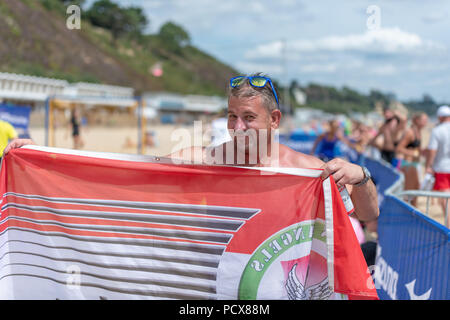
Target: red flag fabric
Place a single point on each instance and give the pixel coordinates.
(85, 225)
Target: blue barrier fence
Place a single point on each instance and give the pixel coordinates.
(412, 254)
(413, 251)
(18, 117)
(299, 142)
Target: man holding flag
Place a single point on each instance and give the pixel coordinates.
(253, 115)
(289, 239)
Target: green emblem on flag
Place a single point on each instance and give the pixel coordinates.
(271, 249)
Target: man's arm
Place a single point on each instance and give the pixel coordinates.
(364, 198)
(431, 155)
(431, 152)
(365, 201)
(17, 143)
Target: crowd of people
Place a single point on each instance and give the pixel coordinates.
(399, 141)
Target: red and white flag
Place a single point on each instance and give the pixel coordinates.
(85, 225)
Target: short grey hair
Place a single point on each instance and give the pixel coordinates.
(246, 90)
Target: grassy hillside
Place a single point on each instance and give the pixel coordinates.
(36, 41)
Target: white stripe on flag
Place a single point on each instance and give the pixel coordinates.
(328, 203)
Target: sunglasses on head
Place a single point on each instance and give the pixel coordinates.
(256, 81)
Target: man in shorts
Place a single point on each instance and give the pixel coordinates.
(438, 155)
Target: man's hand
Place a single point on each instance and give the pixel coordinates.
(17, 143)
(343, 172)
(429, 170)
(364, 198)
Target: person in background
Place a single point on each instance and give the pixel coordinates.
(360, 136)
(75, 121)
(409, 148)
(7, 133)
(391, 130)
(325, 145)
(328, 149)
(438, 155)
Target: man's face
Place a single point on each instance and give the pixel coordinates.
(249, 116)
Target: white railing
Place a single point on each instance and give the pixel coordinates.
(99, 90)
(23, 87)
(192, 103)
(397, 191)
(410, 194)
(31, 88)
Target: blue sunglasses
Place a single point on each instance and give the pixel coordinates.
(256, 81)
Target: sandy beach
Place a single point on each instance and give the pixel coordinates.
(119, 139)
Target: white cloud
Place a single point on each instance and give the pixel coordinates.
(435, 17)
(384, 40)
(383, 70)
(249, 67)
(257, 7)
(269, 50)
(327, 41)
(318, 68)
(429, 66)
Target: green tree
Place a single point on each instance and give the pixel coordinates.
(135, 22)
(109, 15)
(67, 3)
(173, 37)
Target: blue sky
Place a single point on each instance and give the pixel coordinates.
(402, 47)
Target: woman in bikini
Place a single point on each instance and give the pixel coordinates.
(410, 147)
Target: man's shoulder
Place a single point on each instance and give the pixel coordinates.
(443, 127)
(292, 158)
(441, 130)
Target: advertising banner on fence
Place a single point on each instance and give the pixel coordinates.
(412, 251)
(18, 117)
(299, 142)
(83, 225)
(412, 255)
